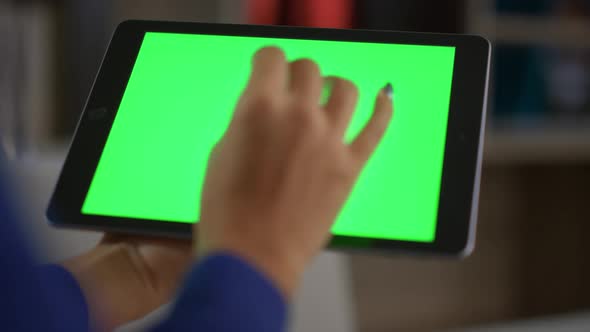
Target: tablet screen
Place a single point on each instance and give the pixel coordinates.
(180, 97)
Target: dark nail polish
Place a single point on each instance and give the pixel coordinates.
(388, 90)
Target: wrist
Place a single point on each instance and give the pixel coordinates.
(284, 273)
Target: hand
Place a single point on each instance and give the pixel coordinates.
(279, 177)
(126, 277)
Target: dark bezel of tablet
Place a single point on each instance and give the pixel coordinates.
(462, 163)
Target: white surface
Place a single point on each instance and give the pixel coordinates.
(324, 302)
(578, 322)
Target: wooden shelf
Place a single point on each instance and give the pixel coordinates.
(534, 30)
(540, 146)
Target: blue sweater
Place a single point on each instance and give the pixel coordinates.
(221, 293)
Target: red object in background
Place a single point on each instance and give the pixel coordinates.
(263, 12)
(311, 13)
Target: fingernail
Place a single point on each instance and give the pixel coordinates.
(388, 90)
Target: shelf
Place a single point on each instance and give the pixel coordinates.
(534, 30)
(576, 321)
(537, 146)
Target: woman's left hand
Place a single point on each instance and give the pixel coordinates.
(126, 277)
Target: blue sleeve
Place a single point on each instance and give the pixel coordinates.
(33, 298)
(221, 294)
(225, 294)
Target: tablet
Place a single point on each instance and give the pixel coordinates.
(166, 91)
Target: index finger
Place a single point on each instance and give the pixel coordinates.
(368, 139)
(269, 71)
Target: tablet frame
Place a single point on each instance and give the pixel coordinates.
(458, 201)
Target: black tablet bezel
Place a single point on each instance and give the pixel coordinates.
(463, 151)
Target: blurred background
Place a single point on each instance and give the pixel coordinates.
(531, 267)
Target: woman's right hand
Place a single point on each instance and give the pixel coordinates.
(279, 177)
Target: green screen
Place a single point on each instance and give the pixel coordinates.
(179, 101)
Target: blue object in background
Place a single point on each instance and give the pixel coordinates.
(530, 7)
(520, 81)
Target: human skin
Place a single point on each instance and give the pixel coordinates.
(281, 173)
